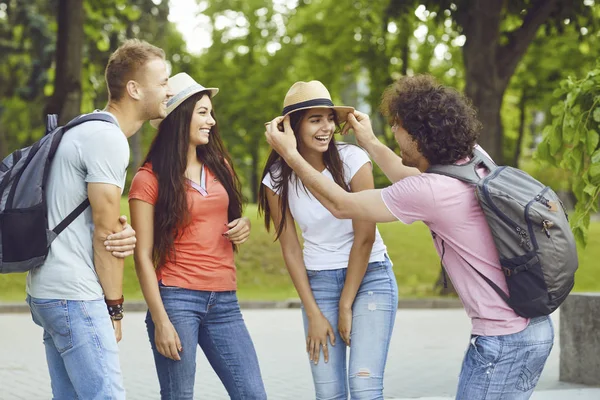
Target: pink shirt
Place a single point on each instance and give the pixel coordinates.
(450, 208)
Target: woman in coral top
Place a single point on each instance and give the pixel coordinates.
(186, 208)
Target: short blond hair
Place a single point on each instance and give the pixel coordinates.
(125, 62)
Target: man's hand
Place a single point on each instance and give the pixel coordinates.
(121, 244)
(283, 142)
(240, 230)
(361, 125)
(118, 332)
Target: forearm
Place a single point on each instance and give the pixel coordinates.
(297, 271)
(146, 274)
(331, 196)
(357, 267)
(389, 162)
(108, 268)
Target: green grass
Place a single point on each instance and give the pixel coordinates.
(262, 274)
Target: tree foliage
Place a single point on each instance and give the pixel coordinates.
(572, 142)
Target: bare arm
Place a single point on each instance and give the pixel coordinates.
(366, 205)
(319, 327)
(142, 220)
(364, 237)
(105, 202)
(389, 162)
(292, 255)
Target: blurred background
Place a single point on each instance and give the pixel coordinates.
(529, 67)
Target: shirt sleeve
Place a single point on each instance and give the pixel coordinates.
(144, 186)
(269, 182)
(410, 199)
(353, 158)
(105, 155)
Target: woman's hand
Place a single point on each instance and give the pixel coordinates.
(239, 230)
(319, 329)
(121, 244)
(345, 323)
(167, 340)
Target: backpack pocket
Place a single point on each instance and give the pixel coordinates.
(528, 293)
(23, 233)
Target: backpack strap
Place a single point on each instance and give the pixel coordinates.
(51, 122)
(465, 172)
(81, 207)
(496, 288)
(71, 217)
(95, 116)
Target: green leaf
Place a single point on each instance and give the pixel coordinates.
(595, 157)
(555, 143)
(592, 141)
(590, 189)
(596, 114)
(594, 171)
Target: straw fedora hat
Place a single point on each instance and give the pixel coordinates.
(183, 86)
(313, 94)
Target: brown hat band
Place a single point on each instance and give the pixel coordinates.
(305, 104)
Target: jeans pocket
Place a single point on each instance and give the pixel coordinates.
(533, 365)
(311, 273)
(486, 349)
(54, 318)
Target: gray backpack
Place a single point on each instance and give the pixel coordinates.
(25, 237)
(531, 231)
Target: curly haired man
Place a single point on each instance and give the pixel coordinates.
(433, 125)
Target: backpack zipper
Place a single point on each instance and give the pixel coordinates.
(524, 241)
(537, 198)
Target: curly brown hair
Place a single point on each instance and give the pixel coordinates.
(442, 121)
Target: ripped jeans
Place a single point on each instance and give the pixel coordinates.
(508, 366)
(373, 316)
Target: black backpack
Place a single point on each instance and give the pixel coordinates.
(531, 232)
(25, 237)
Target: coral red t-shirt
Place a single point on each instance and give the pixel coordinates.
(203, 257)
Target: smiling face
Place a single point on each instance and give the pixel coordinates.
(316, 130)
(202, 122)
(155, 89)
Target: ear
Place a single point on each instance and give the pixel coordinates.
(134, 90)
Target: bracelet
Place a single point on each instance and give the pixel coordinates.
(116, 312)
(114, 302)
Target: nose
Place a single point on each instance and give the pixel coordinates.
(211, 121)
(328, 126)
(169, 92)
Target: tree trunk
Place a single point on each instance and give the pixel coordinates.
(254, 177)
(522, 111)
(66, 100)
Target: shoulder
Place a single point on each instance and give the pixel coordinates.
(349, 150)
(145, 176)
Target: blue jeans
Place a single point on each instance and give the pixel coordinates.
(81, 349)
(214, 321)
(508, 366)
(373, 316)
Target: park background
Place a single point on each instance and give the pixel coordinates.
(529, 66)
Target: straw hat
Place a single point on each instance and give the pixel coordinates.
(183, 86)
(313, 94)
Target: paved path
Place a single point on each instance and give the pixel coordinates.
(424, 361)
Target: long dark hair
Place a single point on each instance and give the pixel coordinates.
(168, 155)
(281, 174)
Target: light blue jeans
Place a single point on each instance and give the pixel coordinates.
(81, 349)
(213, 321)
(373, 316)
(508, 366)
